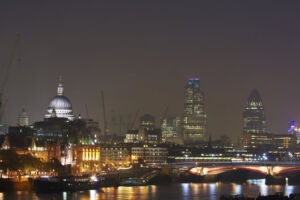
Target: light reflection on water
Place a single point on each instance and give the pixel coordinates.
(203, 191)
(237, 189)
(212, 191)
(185, 190)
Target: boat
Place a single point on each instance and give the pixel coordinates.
(133, 182)
(70, 183)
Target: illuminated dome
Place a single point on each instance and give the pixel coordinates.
(60, 104)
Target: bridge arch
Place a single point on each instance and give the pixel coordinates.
(219, 170)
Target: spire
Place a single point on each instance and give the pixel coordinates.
(60, 88)
(254, 96)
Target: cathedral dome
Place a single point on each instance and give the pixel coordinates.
(60, 102)
(61, 105)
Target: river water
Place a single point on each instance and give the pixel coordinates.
(185, 191)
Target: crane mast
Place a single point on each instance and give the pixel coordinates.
(6, 74)
(104, 114)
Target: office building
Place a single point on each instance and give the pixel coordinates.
(194, 117)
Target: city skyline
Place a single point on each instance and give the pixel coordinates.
(159, 51)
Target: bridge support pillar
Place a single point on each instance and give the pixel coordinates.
(275, 180)
(210, 178)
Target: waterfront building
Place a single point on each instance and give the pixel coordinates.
(254, 140)
(60, 105)
(269, 141)
(84, 159)
(171, 129)
(284, 141)
(194, 117)
(42, 150)
(151, 155)
(114, 156)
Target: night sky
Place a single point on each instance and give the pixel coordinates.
(141, 53)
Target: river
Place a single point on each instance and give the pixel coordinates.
(185, 191)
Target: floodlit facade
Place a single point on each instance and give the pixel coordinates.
(86, 159)
(194, 118)
(115, 157)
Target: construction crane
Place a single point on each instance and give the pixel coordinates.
(104, 114)
(6, 74)
(3, 107)
(134, 119)
(87, 111)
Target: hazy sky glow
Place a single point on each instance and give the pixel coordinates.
(141, 54)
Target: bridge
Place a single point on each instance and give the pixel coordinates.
(273, 172)
(265, 170)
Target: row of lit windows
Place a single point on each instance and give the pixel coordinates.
(90, 154)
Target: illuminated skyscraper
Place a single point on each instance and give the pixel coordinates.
(294, 130)
(254, 121)
(194, 117)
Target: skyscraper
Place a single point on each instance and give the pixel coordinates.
(194, 117)
(254, 123)
(254, 120)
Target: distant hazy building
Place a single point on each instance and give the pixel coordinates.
(23, 119)
(146, 134)
(171, 129)
(194, 118)
(143, 136)
(60, 104)
(3, 129)
(254, 120)
(147, 122)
